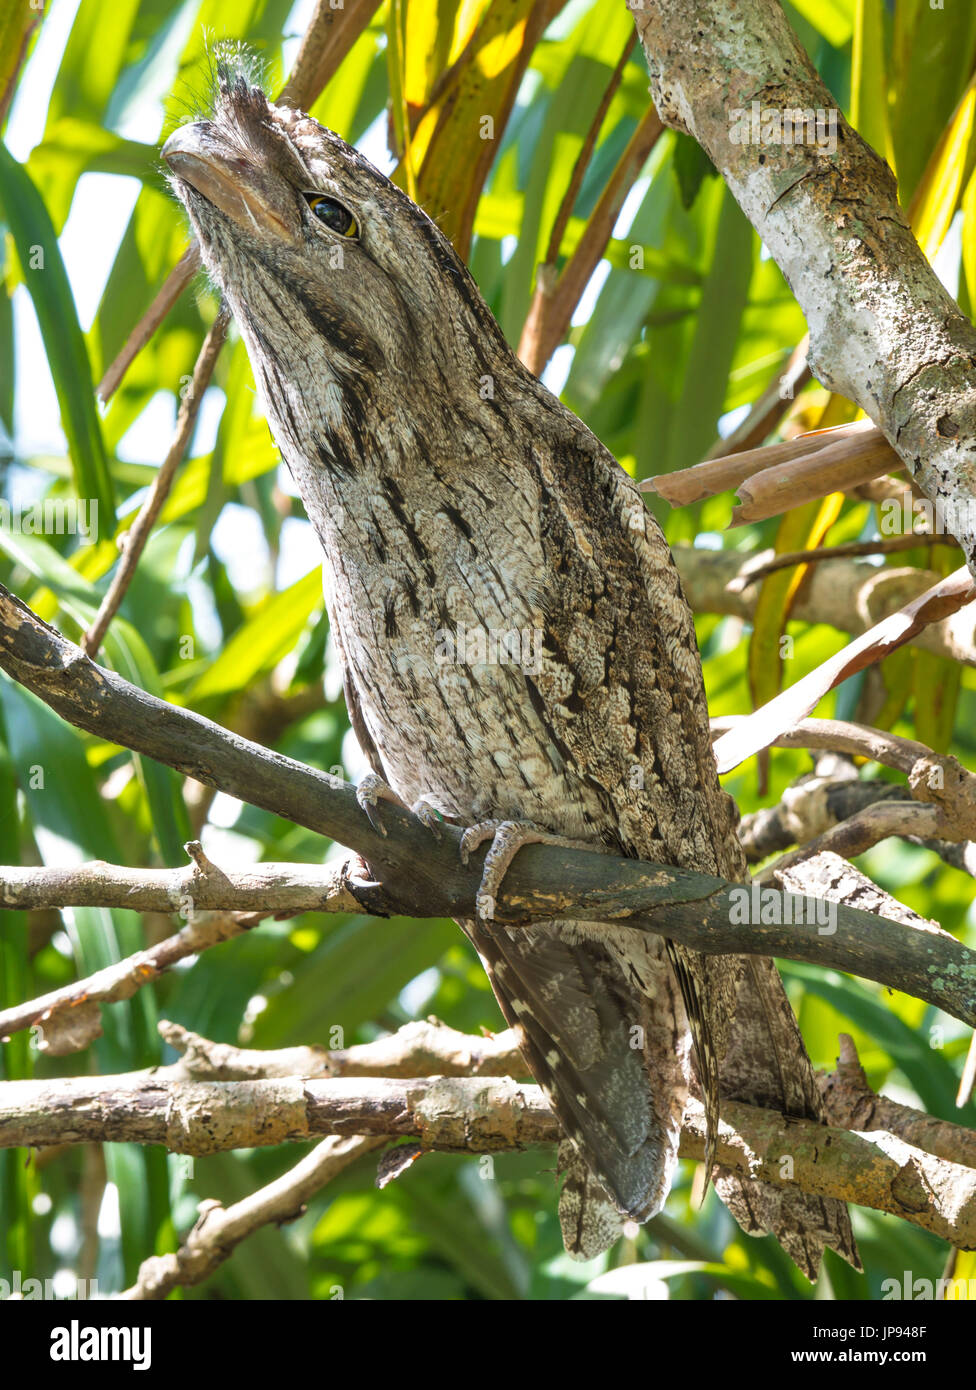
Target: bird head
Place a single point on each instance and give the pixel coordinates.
(354, 306)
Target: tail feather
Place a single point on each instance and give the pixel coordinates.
(601, 1016)
(614, 1068)
(588, 1217)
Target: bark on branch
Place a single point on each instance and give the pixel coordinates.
(883, 330)
(432, 1048)
(852, 595)
(416, 874)
(473, 1115)
(708, 913)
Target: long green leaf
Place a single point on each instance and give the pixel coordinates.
(47, 282)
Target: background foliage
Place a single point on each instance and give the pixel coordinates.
(225, 615)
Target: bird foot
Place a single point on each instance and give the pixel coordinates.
(507, 838)
(373, 789)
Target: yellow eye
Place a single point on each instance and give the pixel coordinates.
(336, 217)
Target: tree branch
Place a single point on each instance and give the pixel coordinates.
(138, 533)
(841, 736)
(471, 1115)
(852, 1104)
(757, 730)
(883, 330)
(808, 807)
(554, 300)
(766, 411)
(852, 595)
(422, 876)
(164, 299)
(434, 1049)
(220, 1230)
(330, 35)
(866, 827)
(706, 913)
(422, 1048)
(887, 545)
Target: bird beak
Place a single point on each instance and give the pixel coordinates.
(229, 180)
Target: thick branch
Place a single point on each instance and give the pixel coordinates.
(468, 1115)
(434, 1049)
(457, 1114)
(707, 913)
(422, 876)
(883, 330)
(852, 595)
(431, 1048)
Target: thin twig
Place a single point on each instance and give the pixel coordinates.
(565, 210)
(759, 729)
(228, 902)
(768, 408)
(886, 545)
(329, 37)
(166, 296)
(28, 22)
(138, 533)
(550, 312)
(220, 1230)
(867, 827)
(852, 1104)
(840, 736)
(425, 1047)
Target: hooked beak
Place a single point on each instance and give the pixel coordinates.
(227, 179)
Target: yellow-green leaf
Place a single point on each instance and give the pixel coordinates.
(263, 640)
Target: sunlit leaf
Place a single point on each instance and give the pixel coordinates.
(44, 275)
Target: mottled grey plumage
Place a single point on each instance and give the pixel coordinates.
(453, 494)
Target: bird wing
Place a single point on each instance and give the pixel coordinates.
(585, 1032)
(355, 710)
(621, 690)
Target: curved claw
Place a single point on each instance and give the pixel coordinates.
(371, 790)
(428, 816)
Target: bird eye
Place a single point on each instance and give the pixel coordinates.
(333, 214)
